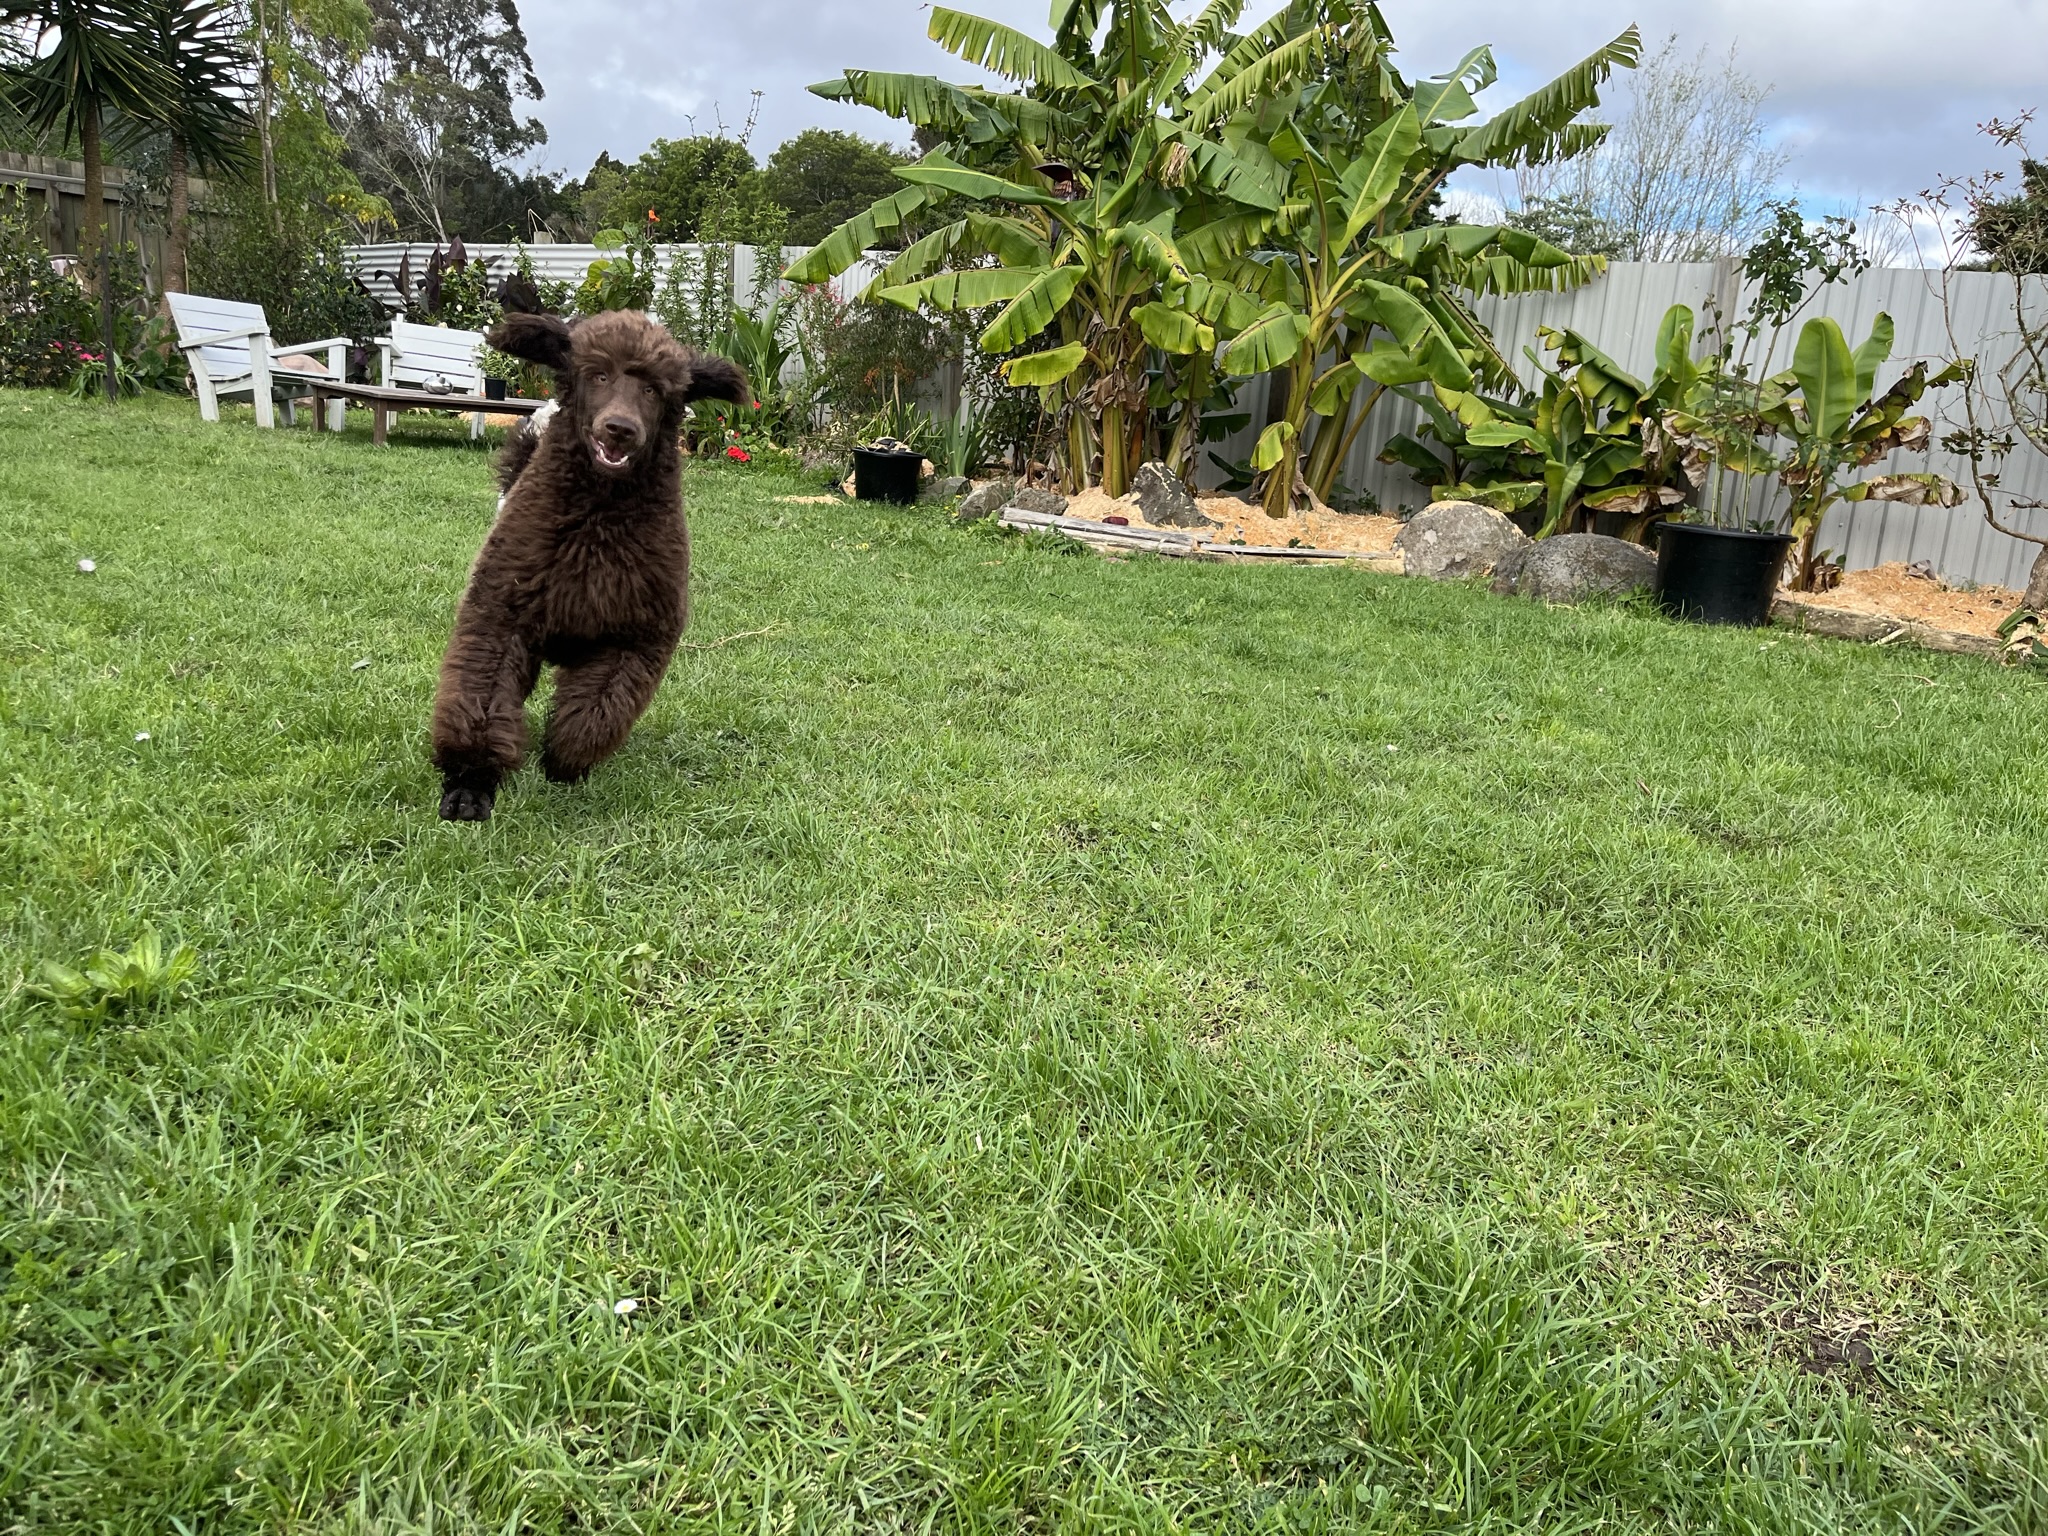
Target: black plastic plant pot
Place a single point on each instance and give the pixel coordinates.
(494, 389)
(1719, 575)
(886, 474)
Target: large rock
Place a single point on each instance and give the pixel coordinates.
(985, 500)
(1164, 501)
(945, 488)
(1452, 540)
(1032, 499)
(1575, 566)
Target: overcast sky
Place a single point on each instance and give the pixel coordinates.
(1873, 98)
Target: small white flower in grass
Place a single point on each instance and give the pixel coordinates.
(625, 1307)
(142, 735)
(1392, 748)
(360, 665)
(87, 566)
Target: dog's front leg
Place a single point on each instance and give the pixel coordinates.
(596, 703)
(480, 713)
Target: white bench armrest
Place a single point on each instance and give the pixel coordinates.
(214, 338)
(313, 346)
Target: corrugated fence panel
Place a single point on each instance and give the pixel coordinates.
(1620, 314)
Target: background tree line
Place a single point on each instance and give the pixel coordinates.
(320, 122)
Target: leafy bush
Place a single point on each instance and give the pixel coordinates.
(864, 356)
(44, 318)
(624, 280)
(294, 270)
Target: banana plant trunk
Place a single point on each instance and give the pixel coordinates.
(1187, 432)
(1277, 495)
(1116, 446)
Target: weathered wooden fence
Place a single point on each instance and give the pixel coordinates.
(1620, 313)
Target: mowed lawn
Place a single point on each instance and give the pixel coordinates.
(1043, 1044)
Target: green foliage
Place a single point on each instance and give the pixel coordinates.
(1593, 439)
(293, 267)
(823, 177)
(863, 356)
(2013, 231)
(1571, 224)
(431, 112)
(112, 985)
(694, 189)
(962, 441)
(43, 317)
(1827, 411)
(624, 278)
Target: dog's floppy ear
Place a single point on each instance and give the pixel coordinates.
(539, 339)
(714, 378)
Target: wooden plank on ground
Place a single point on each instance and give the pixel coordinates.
(1874, 629)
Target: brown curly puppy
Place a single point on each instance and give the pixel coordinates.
(587, 567)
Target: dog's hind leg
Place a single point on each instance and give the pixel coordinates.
(596, 702)
(480, 716)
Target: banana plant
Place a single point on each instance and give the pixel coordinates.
(1827, 409)
(1360, 295)
(1065, 205)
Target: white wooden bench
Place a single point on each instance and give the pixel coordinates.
(228, 348)
(417, 356)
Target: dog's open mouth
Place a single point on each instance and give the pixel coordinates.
(606, 457)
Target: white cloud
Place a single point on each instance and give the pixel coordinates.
(1875, 98)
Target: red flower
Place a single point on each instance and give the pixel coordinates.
(757, 405)
(738, 454)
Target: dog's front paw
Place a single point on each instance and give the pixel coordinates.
(559, 771)
(461, 803)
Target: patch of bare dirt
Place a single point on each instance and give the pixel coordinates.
(810, 501)
(1318, 527)
(1899, 592)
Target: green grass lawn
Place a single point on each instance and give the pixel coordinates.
(1047, 1044)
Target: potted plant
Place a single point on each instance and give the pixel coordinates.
(500, 372)
(1722, 562)
(890, 466)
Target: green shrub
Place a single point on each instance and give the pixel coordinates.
(294, 269)
(45, 320)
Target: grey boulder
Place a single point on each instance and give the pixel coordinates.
(944, 488)
(1575, 566)
(985, 500)
(1453, 540)
(1032, 499)
(1164, 501)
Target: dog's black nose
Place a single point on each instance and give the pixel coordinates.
(620, 431)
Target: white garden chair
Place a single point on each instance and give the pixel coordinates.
(227, 346)
(422, 356)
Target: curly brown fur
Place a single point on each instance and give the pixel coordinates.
(587, 567)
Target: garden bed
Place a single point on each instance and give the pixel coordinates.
(1903, 595)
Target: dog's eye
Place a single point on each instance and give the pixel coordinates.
(648, 389)
(600, 378)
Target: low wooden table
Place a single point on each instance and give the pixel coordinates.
(383, 403)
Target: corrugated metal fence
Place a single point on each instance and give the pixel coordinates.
(1620, 313)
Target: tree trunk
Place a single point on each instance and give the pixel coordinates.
(93, 224)
(265, 105)
(2036, 599)
(179, 235)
